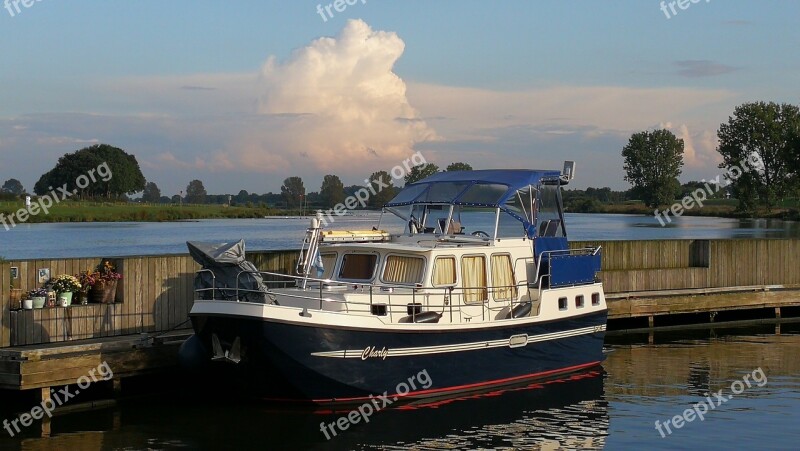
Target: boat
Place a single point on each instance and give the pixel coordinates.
(480, 290)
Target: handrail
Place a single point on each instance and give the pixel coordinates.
(403, 290)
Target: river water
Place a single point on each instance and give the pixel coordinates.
(28, 241)
(643, 380)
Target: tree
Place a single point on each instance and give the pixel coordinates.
(331, 191)
(99, 170)
(13, 186)
(458, 167)
(293, 191)
(195, 192)
(420, 172)
(151, 193)
(761, 140)
(381, 184)
(242, 197)
(653, 161)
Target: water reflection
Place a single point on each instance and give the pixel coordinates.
(567, 413)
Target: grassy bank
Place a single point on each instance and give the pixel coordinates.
(721, 208)
(118, 212)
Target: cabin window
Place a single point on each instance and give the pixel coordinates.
(473, 275)
(403, 269)
(579, 301)
(444, 271)
(358, 266)
(595, 299)
(503, 284)
(328, 263)
(562, 303)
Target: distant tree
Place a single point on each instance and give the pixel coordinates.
(293, 191)
(164, 200)
(420, 172)
(242, 197)
(716, 192)
(762, 137)
(381, 183)
(99, 170)
(351, 190)
(13, 186)
(331, 191)
(151, 193)
(653, 161)
(458, 167)
(176, 199)
(195, 192)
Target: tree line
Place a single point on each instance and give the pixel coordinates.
(760, 149)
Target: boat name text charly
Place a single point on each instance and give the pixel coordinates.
(373, 352)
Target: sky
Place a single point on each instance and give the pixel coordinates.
(243, 94)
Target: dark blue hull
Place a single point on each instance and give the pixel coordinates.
(329, 364)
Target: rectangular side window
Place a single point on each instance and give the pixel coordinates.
(403, 270)
(358, 266)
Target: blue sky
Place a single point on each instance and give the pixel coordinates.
(244, 94)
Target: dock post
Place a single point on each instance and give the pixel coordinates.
(777, 313)
(44, 397)
(650, 321)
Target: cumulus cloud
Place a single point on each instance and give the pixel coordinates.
(699, 147)
(332, 103)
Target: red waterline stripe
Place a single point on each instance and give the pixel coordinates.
(447, 389)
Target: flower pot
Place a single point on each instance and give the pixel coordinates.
(39, 301)
(64, 299)
(104, 291)
(83, 297)
(27, 304)
(15, 299)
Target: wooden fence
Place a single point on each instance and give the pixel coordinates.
(155, 293)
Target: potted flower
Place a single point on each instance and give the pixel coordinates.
(87, 279)
(104, 289)
(39, 297)
(65, 285)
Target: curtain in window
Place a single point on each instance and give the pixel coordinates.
(503, 285)
(401, 269)
(328, 262)
(444, 271)
(473, 275)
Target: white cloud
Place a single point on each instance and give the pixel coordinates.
(334, 103)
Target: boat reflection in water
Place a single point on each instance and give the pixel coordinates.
(567, 413)
(557, 414)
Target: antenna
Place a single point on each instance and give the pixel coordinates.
(569, 170)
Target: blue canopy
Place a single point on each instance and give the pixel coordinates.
(483, 188)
